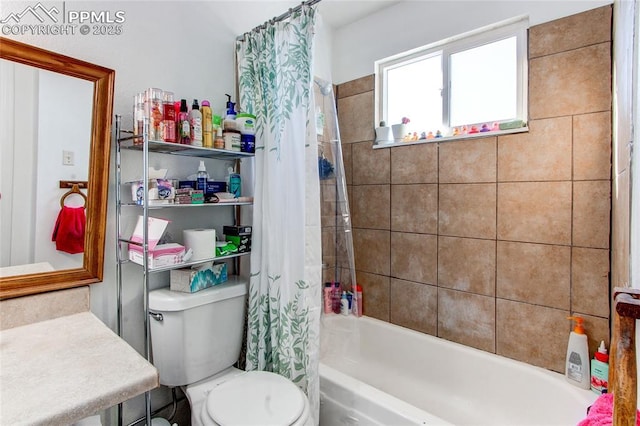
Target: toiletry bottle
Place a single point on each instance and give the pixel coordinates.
(168, 118)
(344, 304)
(201, 178)
(600, 370)
(328, 308)
(229, 122)
(336, 298)
(207, 125)
(577, 362)
(234, 183)
(195, 121)
(183, 123)
(218, 143)
(358, 304)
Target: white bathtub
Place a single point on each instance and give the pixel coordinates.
(375, 373)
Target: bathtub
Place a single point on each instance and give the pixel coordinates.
(376, 373)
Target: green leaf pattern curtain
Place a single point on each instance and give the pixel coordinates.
(275, 84)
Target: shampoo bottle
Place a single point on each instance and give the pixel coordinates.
(234, 183)
(328, 301)
(577, 363)
(600, 370)
(344, 304)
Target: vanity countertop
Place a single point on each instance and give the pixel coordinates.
(62, 370)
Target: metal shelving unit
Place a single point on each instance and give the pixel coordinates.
(125, 140)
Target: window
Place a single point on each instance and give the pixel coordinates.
(473, 79)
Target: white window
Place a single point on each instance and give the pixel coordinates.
(469, 80)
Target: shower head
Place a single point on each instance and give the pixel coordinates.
(325, 86)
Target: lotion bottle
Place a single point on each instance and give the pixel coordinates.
(577, 363)
(600, 370)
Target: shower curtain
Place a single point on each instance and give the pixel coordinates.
(275, 81)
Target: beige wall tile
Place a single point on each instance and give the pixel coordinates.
(414, 305)
(590, 281)
(371, 204)
(375, 295)
(543, 153)
(414, 163)
(591, 212)
(573, 82)
(371, 248)
(537, 212)
(348, 164)
(620, 256)
(354, 87)
(467, 210)
(327, 203)
(533, 334)
(572, 32)
(370, 166)
(534, 273)
(414, 208)
(597, 330)
(467, 318)
(467, 264)
(414, 257)
(328, 246)
(592, 146)
(470, 161)
(355, 118)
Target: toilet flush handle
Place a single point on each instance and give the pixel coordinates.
(156, 316)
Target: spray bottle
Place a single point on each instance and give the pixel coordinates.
(184, 128)
(195, 120)
(201, 177)
(577, 362)
(207, 124)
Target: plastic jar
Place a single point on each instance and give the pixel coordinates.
(246, 123)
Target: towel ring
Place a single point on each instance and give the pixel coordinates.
(75, 189)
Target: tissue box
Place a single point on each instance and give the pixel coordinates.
(160, 255)
(189, 280)
(161, 191)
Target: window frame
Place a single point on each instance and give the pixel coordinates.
(517, 27)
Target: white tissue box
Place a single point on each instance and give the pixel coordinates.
(190, 280)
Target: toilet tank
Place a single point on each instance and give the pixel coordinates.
(200, 334)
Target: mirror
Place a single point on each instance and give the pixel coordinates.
(98, 148)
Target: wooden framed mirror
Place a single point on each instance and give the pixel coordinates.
(102, 79)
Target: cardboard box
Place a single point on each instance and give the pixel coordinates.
(243, 242)
(190, 280)
(160, 255)
(236, 230)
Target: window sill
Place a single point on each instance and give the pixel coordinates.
(452, 138)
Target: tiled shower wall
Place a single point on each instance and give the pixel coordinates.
(493, 242)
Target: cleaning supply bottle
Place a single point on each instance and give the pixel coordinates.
(207, 124)
(184, 128)
(600, 370)
(234, 183)
(344, 304)
(195, 121)
(577, 363)
(201, 177)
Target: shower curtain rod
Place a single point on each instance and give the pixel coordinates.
(281, 17)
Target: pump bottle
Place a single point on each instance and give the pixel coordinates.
(577, 362)
(600, 370)
(184, 128)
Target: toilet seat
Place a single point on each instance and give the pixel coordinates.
(256, 398)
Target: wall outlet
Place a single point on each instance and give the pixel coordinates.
(67, 158)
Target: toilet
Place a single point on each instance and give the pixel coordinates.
(196, 338)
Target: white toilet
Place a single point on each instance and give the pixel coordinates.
(196, 338)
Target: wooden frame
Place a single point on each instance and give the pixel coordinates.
(103, 80)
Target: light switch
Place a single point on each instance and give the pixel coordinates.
(67, 158)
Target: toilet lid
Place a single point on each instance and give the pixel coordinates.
(256, 398)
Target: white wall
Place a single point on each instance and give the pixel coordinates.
(410, 24)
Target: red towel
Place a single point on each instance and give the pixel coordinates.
(601, 412)
(68, 233)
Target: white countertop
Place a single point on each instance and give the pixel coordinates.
(62, 370)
